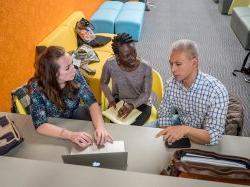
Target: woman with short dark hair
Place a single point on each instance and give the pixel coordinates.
(131, 79)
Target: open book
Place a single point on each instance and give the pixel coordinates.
(112, 114)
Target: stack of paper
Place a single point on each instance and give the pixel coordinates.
(212, 161)
(115, 147)
(112, 114)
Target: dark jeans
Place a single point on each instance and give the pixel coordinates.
(141, 119)
(82, 113)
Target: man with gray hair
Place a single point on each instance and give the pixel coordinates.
(199, 100)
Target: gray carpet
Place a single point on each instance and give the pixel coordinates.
(199, 20)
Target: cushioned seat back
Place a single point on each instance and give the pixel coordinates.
(20, 100)
(20, 107)
(158, 90)
(134, 6)
(130, 19)
(61, 36)
(117, 5)
(157, 85)
(64, 35)
(71, 21)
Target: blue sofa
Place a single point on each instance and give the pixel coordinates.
(130, 19)
(104, 18)
(117, 17)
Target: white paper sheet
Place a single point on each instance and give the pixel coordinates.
(116, 146)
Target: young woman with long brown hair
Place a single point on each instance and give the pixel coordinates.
(55, 91)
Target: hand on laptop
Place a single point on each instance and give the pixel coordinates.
(82, 139)
(102, 136)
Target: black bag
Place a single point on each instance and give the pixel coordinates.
(9, 135)
(85, 35)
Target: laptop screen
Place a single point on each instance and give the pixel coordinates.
(112, 156)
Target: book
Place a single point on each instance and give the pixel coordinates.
(115, 147)
(112, 114)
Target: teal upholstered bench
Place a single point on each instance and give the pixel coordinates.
(134, 6)
(116, 5)
(130, 19)
(104, 18)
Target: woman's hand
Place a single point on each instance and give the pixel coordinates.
(125, 110)
(112, 104)
(102, 136)
(82, 139)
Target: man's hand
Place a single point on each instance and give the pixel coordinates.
(173, 133)
(125, 110)
(112, 104)
(82, 139)
(102, 136)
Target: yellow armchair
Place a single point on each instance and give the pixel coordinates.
(19, 106)
(158, 90)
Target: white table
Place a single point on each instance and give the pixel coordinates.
(146, 154)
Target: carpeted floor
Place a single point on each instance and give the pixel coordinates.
(199, 20)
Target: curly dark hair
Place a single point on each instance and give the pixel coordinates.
(46, 70)
(120, 39)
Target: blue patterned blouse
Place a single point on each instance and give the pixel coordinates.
(42, 107)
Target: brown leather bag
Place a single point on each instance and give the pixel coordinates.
(213, 172)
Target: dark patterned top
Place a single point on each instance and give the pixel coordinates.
(42, 107)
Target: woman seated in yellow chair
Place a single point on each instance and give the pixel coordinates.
(55, 91)
(131, 79)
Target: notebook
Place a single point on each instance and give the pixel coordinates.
(112, 156)
(112, 114)
(188, 157)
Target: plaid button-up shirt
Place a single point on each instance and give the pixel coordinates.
(204, 105)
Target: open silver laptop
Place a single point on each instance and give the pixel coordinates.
(112, 155)
(102, 160)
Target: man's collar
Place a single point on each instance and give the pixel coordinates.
(196, 81)
(194, 85)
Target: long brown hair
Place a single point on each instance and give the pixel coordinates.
(46, 71)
